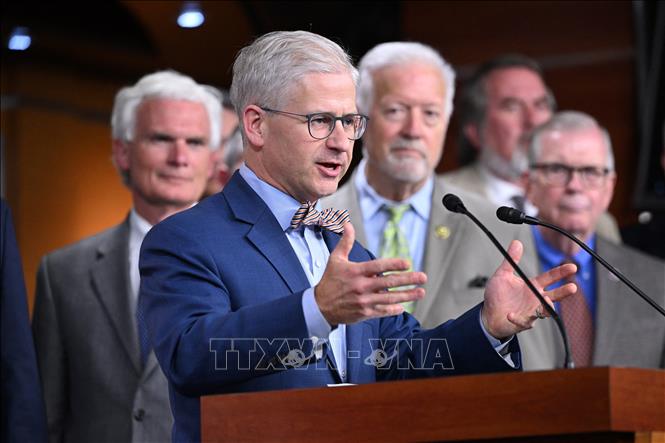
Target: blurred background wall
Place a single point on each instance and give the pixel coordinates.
(57, 95)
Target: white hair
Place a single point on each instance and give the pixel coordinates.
(266, 72)
(568, 121)
(401, 53)
(164, 85)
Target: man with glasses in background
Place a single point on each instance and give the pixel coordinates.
(503, 100)
(255, 289)
(571, 180)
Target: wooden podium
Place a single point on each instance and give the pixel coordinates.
(580, 405)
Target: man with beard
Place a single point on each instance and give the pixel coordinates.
(394, 196)
(571, 181)
(502, 102)
(255, 289)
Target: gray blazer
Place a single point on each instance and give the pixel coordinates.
(458, 259)
(628, 332)
(87, 347)
(471, 179)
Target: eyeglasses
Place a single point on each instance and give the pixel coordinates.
(322, 124)
(557, 174)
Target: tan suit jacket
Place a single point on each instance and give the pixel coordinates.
(458, 259)
(471, 179)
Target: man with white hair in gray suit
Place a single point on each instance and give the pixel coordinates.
(101, 380)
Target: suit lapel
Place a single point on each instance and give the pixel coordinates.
(110, 279)
(265, 234)
(444, 231)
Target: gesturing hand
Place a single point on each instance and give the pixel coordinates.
(510, 306)
(350, 292)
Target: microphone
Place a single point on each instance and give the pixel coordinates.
(454, 204)
(512, 215)
(515, 216)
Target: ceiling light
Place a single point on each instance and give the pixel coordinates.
(191, 15)
(19, 39)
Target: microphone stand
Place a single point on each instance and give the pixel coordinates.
(454, 204)
(512, 215)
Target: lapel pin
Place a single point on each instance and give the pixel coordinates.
(442, 232)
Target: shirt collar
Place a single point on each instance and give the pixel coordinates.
(138, 226)
(498, 189)
(282, 205)
(372, 202)
(553, 257)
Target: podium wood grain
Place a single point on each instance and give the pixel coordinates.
(580, 405)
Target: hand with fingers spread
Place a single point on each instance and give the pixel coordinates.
(350, 292)
(510, 306)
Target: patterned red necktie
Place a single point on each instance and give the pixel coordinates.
(330, 219)
(577, 318)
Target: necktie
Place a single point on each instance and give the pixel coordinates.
(394, 244)
(144, 339)
(518, 202)
(577, 318)
(330, 219)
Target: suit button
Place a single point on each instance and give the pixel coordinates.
(139, 414)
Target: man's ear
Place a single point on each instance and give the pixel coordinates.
(120, 154)
(472, 133)
(253, 119)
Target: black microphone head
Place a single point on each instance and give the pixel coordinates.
(453, 203)
(510, 215)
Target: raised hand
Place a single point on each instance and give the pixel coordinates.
(510, 306)
(350, 292)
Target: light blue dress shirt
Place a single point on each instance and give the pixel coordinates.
(413, 224)
(313, 254)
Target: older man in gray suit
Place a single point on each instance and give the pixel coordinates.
(101, 381)
(394, 196)
(571, 181)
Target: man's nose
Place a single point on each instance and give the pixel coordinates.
(179, 153)
(413, 123)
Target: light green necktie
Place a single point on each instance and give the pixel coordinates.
(395, 245)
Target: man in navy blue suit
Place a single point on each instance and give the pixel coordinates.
(249, 290)
(23, 414)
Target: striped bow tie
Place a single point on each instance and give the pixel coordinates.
(330, 219)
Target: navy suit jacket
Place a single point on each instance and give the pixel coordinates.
(222, 290)
(23, 413)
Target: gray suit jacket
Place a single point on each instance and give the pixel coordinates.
(87, 347)
(458, 259)
(471, 179)
(628, 332)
